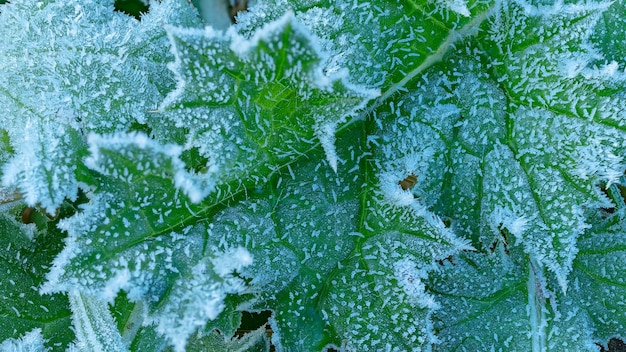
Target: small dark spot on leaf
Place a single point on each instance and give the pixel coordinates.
(408, 182)
(446, 259)
(617, 345)
(502, 238)
(27, 215)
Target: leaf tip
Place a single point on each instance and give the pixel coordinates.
(326, 136)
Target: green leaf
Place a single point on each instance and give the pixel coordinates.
(254, 341)
(90, 315)
(137, 234)
(506, 307)
(507, 302)
(26, 253)
(610, 34)
(597, 278)
(32, 341)
(337, 264)
(380, 43)
(148, 339)
(476, 204)
(505, 155)
(252, 105)
(73, 67)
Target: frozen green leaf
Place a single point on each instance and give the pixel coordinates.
(336, 262)
(90, 315)
(597, 279)
(476, 203)
(253, 341)
(495, 154)
(25, 254)
(137, 234)
(73, 67)
(382, 44)
(30, 342)
(610, 34)
(508, 303)
(251, 105)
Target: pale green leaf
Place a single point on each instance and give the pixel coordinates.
(68, 68)
(25, 254)
(94, 326)
(30, 342)
(508, 304)
(137, 234)
(381, 43)
(251, 105)
(505, 156)
(336, 262)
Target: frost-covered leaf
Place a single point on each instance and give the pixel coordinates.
(5, 147)
(597, 280)
(336, 264)
(137, 234)
(30, 342)
(94, 327)
(506, 308)
(610, 34)
(128, 315)
(251, 105)
(72, 67)
(508, 305)
(565, 121)
(7, 194)
(476, 204)
(25, 253)
(381, 43)
(253, 341)
(506, 155)
(148, 339)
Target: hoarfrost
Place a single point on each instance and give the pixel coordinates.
(195, 186)
(271, 78)
(458, 6)
(30, 342)
(200, 297)
(93, 324)
(65, 74)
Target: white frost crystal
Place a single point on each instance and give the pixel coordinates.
(68, 68)
(251, 101)
(200, 298)
(30, 342)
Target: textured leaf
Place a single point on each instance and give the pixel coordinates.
(610, 34)
(25, 254)
(251, 105)
(597, 279)
(134, 235)
(31, 342)
(381, 43)
(325, 250)
(254, 341)
(92, 315)
(128, 315)
(477, 203)
(148, 339)
(508, 304)
(506, 156)
(69, 68)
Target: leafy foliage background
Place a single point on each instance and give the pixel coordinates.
(415, 175)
